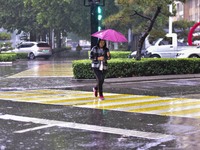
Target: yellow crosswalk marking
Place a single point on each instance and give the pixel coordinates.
(181, 112)
(122, 102)
(47, 70)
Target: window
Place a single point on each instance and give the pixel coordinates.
(43, 45)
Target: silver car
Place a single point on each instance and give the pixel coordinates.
(34, 49)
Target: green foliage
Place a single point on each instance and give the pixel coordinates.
(6, 44)
(21, 55)
(183, 26)
(39, 16)
(146, 67)
(82, 69)
(127, 18)
(12, 56)
(5, 36)
(117, 54)
(7, 57)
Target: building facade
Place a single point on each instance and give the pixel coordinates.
(190, 10)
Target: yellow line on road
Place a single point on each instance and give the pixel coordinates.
(182, 112)
(121, 102)
(113, 106)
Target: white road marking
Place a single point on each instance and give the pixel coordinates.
(33, 129)
(80, 126)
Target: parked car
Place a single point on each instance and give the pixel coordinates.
(166, 47)
(34, 49)
(189, 53)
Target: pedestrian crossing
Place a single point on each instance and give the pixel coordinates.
(47, 70)
(165, 106)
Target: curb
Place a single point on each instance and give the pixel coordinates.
(6, 63)
(139, 78)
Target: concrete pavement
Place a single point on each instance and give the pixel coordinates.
(165, 85)
(60, 126)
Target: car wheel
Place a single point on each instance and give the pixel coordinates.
(155, 56)
(194, 56)
(31, 56)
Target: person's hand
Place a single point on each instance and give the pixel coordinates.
(101, 58)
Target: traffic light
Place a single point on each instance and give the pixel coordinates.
(99, 17)
(94, 1)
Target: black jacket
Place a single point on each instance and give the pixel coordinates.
(97, 52)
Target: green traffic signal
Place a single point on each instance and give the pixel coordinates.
(99, 28)
(99, 10)
(99, 17)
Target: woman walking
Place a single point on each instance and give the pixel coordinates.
(99, 56)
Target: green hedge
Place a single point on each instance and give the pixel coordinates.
(117, 54)
(5, 36)
(7, 57)
(12, 56)
(21, 55)
(145, 67)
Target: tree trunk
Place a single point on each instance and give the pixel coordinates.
(58, 39)
(32, 36)
(146, 33)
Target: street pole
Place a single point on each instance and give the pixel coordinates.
(170, 19)
(94, 23)
(93, 4)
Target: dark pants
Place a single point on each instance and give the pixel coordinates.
(100, 76)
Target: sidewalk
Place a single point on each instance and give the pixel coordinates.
(162, 85)
(141, 78)
(165, 85)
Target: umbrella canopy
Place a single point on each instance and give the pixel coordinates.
(110, 35)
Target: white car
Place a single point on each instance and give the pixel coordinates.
(34, 49)
(189, 53)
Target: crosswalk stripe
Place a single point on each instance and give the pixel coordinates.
(149, 105)
(182, 112)
(47, 70)
(113, 106)
(121, 102)
(130, 100)
(176, 108)
(125, 99)
(182, 105)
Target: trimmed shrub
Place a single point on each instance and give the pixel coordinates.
(146, 67)
(7, 57)
(117, 54)
(5, 36)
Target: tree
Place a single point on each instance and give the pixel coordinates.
(182, 28)
(145, 16)
(38, 17)
(15, 15)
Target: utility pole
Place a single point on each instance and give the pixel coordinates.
(95, 17)
(170, 19)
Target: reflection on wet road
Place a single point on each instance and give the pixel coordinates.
(165, 106)
(39, 69)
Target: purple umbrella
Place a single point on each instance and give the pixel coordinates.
(110, 35)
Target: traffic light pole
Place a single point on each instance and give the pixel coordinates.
(93, 4)
(94, 24)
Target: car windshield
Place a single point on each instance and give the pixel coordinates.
(43, 45)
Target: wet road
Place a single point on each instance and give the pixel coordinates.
(72, 119)
(53, 127)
